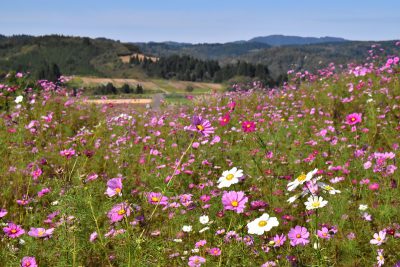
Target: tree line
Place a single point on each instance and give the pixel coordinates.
(187, 68)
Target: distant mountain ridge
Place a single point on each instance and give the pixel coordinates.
(281, 40)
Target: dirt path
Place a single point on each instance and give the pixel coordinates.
(120, 101)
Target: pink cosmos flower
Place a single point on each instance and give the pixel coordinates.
(235, 201)
(353, 119)
(68, 153)
(298, 236)
(41, 232)
(324, 233)
(373, 186)
(248, 126)
(93, 237)
(43, 192)
(28, 262)
(3, 212)
(36, 173)
(196, 261)
(118, 212)
(157, 198)
(214, 251)
(13, 230)
(279, 240)
(232, 106)
(201, 125)
(200, 243)
(114, 187)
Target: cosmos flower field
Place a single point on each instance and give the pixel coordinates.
(301, 175)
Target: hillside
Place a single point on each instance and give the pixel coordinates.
(202, 51)
(281, 40)
(279, 59)
(73, 55)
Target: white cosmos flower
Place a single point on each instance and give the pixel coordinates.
(330, 189)
(204, 229)
(230, 177)
(363, 207)
(315, 202)
(204, 219)
(262, 224)
(187, 228)
(293, 198)
(19, 99)
(301, 180)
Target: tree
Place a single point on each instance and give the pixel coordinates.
(126, 89)
(139, 89)
(110, 89)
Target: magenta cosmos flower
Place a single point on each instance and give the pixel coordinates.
(28, 262)
(157, 198)
(201, 125)
(298, 236)
(196, 261)
(248, 126)
(41, 232)
(13, 230)
(118, 212)
(224, 120)
(353, 118)
(235, 201)
(114, 187)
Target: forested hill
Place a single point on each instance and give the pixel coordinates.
(73, 55)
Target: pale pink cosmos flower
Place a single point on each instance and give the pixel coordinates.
(196, 261)
(379, 238)
(299, 236)
(114, 187)
(41, 232)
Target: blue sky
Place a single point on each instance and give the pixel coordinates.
(202, 21)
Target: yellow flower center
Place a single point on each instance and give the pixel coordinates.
(353, 119)
(13, 231)
(155, 199)
(262, 223)
(121, 212)
(229, 177)
(379, 239)
(118, 190)
(325, 234)
(234, 203)
(248, 125)
(302, 177)
(200, 127)
(316, 204)
(41, 232)
(298, 235)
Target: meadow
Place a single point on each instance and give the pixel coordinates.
(301, 175)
